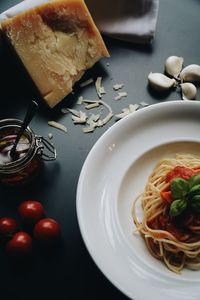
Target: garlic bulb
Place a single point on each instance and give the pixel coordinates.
(190, 73)
(173, 65)
(189, 91)
(160, 82)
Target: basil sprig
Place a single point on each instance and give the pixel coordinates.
(194, 180)
(177, 207)
(185, 194)
(179, 188)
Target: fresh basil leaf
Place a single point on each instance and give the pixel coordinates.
(179, 188)
(177, 207)
(195, 190)
(195, 203)
(194, 180)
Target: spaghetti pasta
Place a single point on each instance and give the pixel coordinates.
(172, 236)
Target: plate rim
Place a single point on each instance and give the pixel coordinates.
(150, 107)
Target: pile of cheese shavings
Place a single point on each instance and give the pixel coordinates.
(94, 120)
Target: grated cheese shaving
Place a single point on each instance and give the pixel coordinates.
(80, 100)
(57, 125)
(99, 89)
(87, 82)
(74, 112)
(107, 118)
(144, 104)
(126, 111)
(81, 119)
(120, 95)
(99, 123)
(92, 119)
(118, 86)
(90, 101)
(88, 129)
(92, 105)
(50, 135)
(102, 90)
(133, 107)
(122, 115)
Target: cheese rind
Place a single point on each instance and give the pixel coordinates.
(56, 41)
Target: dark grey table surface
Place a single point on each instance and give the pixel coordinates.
(69, 272)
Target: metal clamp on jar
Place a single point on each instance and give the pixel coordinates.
(31, 153)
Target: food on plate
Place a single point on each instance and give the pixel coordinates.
(31, 211)
(47, 230)
(57, 42)
(171, 212)
(8, 227)
(20, 244)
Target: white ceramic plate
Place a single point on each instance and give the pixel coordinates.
(113, 174)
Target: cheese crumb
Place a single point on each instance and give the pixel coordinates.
(50, 135)
(143, 104)
(57, 125)
(99, 89)
(80, 100)
(92, 105)
(126, 111)
(87, 82)
(121, 95)
(118, 86)
(88, 129)
(81, 119)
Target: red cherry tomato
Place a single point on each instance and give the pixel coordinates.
(47, 230)
(20, 244)
(8, 226)
(31, 211)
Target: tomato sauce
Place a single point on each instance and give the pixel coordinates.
(177, 227)
(181, 172)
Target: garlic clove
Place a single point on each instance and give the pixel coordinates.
(189, 91)
(160, 82)
(173, 65)
(190, 73)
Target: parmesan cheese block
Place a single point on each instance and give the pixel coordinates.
(56, 42)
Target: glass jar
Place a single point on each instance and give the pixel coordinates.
(30, 153)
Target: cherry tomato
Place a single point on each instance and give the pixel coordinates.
(20, 244)
(31, 211)
(166, 196)
(47, 230)
(8, 226)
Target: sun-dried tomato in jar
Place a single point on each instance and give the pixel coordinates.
(27, 163)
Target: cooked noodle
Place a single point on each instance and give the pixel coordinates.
(164, 245)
